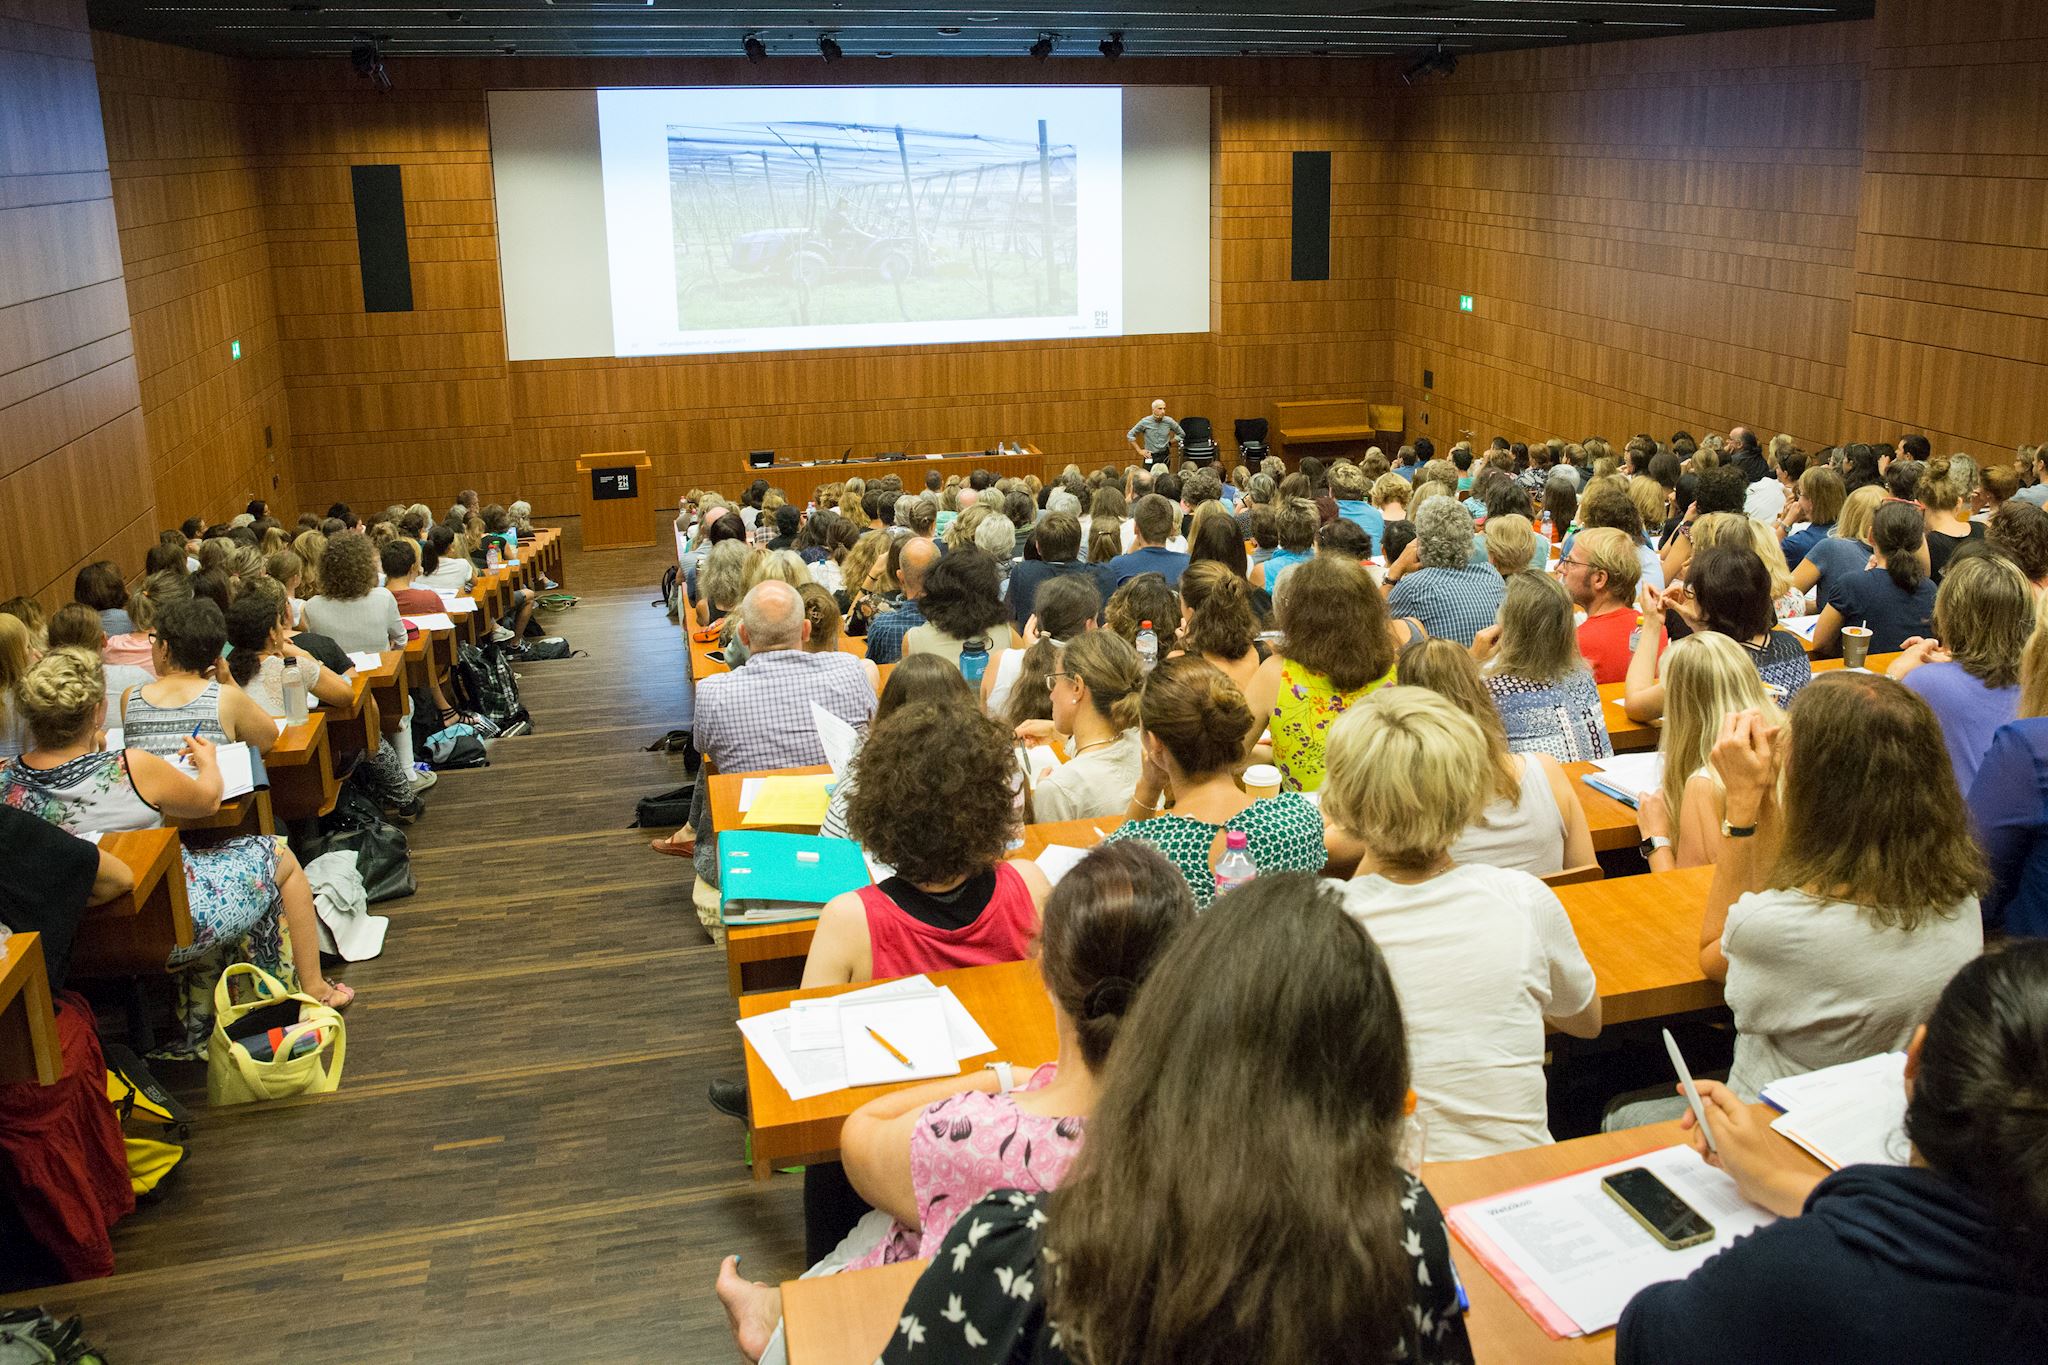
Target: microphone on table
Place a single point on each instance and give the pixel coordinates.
(843, 458)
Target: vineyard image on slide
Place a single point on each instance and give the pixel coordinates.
(801, 223)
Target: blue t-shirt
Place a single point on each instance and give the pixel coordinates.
(2009, 806)
(1870, 598)
(1148, 559)
(1365, 517)
(1836, 558)
(1969, 712)
(1797, 545)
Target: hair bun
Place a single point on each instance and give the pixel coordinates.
(1111, 995)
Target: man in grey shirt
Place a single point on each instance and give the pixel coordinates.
(1152, 436)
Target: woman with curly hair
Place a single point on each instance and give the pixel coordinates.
(962, 604)
(351, 609)
(935, 798)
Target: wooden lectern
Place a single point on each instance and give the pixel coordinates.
(612, 490)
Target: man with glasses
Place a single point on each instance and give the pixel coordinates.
(1600, 572)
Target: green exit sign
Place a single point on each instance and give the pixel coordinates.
(1464, 303)
(234, 350)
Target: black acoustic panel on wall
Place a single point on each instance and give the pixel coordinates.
(1311, 216)
(380, 239)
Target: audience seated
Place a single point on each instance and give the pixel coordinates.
(923, 1156)
(1810, 518)
(912, 562)
(1844, 551)
(1943, 491)
(1600, 570)
(1270, 1027)
(1936, 1259)
(188, 697)
(1894, 598)
(239, 889)
(1707, 679)
(1546, 695)
(925, 679)
(1218, 621)
(1728, 591)
(15, 656)
(1337, 644)
(1970, 674)
(1435, 581)
(1295, 524)
(1146, 598)
(1196, 729)
(1156, 522)
(99, 586)
(962, 605)
(259, 630)
(1094, 684)
(1484, 957)
(2009, 806)
(1533, 820)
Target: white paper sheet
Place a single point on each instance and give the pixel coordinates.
(806, 1073)
(813, 1024)
(1635, 772)
(237, 769)
(914, 1025)
(1847, 1114)
(750, 787)
(459, 606)
(365, 661)
(1582, 1251)
(1037, 760)
(432, 620)
(1802, 626)
(1057, 860)
(840, 740)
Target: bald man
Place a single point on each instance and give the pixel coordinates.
(886, 632)
(759, 716)
(1153, 437)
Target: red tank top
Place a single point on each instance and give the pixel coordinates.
(904, 945)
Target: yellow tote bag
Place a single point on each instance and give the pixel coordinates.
(234, 1076)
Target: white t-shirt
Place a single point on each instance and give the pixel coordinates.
(1764, 500)
(1094, 783)
(1813, 982)
(1479, 955)
(453, 574)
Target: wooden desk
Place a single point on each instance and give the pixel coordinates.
(134, 935)
(1613, 824)
(799, 483)
(1629, 736)
(388, 689)
(301, 766)
(845, 1319)
(1008, 1000)
(1500, 1329)
(1317, 422)
(250, 814)
(1641, 935)
(702, 665)
(29, 1050)
(726, 814)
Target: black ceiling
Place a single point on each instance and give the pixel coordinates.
(1150, 28)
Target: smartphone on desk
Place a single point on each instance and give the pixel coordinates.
(1674, 1223)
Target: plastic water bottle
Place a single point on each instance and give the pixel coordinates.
(294, 693)
(974, 659)
(491, 556)
(511, 544)
(1236, 868)
(1549, 527)
(1148, 646)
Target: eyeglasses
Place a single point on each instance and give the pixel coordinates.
(1052, 678)
(1573, 563)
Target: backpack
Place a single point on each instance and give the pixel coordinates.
(549, 647)
(29, 1336)
(485, 685)
(666, 810)
(671, 590)
(456, 747)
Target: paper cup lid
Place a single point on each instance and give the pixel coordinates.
(1262, 775)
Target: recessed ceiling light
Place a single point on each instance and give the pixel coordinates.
(984, 18)
(949, 33)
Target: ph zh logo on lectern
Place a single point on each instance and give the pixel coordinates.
(607, 484)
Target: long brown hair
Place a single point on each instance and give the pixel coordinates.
(1064, 606)
(1222, 624)
(1854, 831)
(1268, 1038)
(1447, 668)
(1335, 621)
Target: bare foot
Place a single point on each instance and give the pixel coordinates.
(751, 1309)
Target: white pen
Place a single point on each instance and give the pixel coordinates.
(1692, 1094)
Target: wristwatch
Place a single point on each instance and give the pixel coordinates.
(1653, 843)
(1006, 1079)
(1729, 831)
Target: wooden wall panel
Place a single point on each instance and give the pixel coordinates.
(194, 242)
(1950, 333)
(74, 473)
(1658, 234)
(400, 406)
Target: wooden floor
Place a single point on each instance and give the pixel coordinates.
(520, 1164)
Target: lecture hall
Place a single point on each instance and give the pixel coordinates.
(633, 633)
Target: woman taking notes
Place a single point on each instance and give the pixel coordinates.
(1939, 1259)
(1268, 1036)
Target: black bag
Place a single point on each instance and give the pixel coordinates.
(357, 825)
(484, 684)
(671, 590)
(456, 747)
(669, 810)
(550, 647)
(382, 860)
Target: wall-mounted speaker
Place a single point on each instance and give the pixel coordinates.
(380, 239)
(1311, 259)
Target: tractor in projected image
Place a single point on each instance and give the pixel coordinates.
(806, 223)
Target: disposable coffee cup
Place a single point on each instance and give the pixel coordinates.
(1855, 646)
(1261, 779)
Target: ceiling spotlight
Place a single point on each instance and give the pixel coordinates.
(368, 61)
(828, 47)
(1044, 46)
(1112, 47)
(757, 51)
(1437, 63)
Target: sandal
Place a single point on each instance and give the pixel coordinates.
(674, 847)
(340, 995)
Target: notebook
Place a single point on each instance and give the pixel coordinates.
(767, 877)
(1847, 1115)
(801, 800)
(1625, 776)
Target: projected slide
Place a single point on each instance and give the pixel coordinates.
(740, 220)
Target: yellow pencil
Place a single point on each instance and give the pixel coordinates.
(891, 1048)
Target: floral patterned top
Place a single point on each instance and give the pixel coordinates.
(982, 1299)
(966, 1145)
(1307, 705)
(1284, 832)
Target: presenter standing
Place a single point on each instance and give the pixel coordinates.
(1152, 435)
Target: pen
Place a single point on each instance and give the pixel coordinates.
(1692, 1094)
(891, 1047)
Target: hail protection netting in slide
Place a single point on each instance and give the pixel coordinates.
(842, 217)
